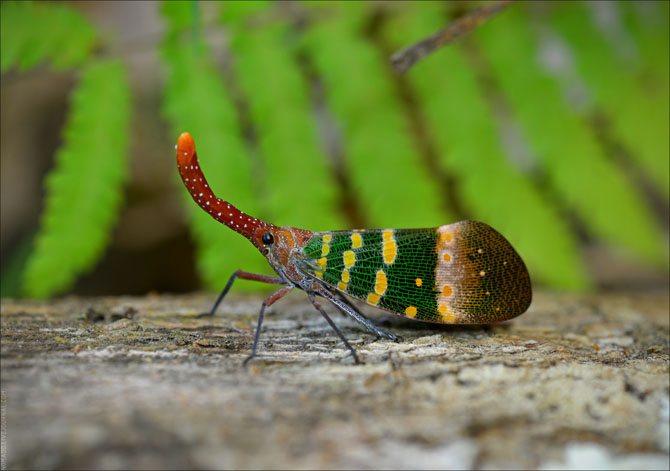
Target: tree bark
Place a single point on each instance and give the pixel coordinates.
(121, 382)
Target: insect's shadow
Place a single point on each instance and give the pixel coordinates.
(413, 329)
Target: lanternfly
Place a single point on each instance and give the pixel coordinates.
(460, 273)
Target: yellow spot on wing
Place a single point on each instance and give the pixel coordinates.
(410, 311)
(381, 283)
(373, 299)
(319, 274)
(442, 309)
(349, 259)
(419, 281)
(342, 286)
(322, 262)
(325, 248)
(356, 240)
(447, 257)
(446, 290)
(390, 251)
(345, 275)
(449, 318)
(327, 238)
(445, 236)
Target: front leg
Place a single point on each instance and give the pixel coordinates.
(244, 276)
(280, 293)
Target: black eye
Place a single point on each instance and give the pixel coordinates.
(267, 238)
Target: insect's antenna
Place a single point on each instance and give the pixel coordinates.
(197, 186)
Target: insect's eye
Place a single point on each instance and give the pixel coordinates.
(266, 251)
(267, 238)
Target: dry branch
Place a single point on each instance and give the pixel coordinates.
(404, 59)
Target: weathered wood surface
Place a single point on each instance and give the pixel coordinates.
(575, 382)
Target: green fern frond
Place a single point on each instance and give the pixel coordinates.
(84, 190)
(637, 119)
(196, 101)
(285, 126)
(34, 32)
(385, 166)
(236, 13)
(178, 15)
(574, 162)
(648, 23)
(464, 127)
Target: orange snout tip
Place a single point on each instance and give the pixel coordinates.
(185, 144)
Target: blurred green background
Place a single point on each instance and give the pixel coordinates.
(549, 122)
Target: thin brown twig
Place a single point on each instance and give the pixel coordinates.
(404, 59)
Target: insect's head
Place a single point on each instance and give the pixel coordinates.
(277, 243)
(274, 242)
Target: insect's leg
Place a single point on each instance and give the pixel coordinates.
(245, 276)
(340, 311)
(344, 299)
(346, 307)
(335, 328)
(281, 292)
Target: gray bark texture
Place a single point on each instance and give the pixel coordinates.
(576, 382)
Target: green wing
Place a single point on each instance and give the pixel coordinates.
(460, 273)
(391, 269)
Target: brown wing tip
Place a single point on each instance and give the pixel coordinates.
(493, 283)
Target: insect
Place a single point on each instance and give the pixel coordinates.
(461, 273)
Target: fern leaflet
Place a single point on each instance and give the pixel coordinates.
(84, 190)
(33, 32)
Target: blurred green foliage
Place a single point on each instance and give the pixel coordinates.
(496, 112)
(35, 32)
(84, 190)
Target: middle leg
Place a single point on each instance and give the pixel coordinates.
(351, 311)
